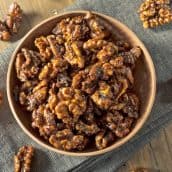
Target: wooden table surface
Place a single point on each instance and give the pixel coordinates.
(157, 155)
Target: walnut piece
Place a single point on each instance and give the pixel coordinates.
(27, 64)
(66, 140)
(23, 159)
(155, 12)
(4, 32)
(14, 17)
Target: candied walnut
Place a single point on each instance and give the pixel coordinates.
(35, 97)
(27, 64)
(44, 48)
(117, 62)
(14, 17)
(154, 13)
(124, 127)
(94, 44)
(107, 52)
(4, 33)
(74, 28)
(62, 80)
(112, 120)
(44, 120)
(74, 55)
(130, 57)
(15, 10)
(103, 139)
(132, 105)
(66, 140)
(98, 31)
(52, 68)
(124, 87)
(96, 71)
(103, 97)
(25, 89)
(73, 101)
(122, 45)
(87, 129)
(124, 73)
(62, 112)
(23, 159)
(1, 97)
(52, 100)
(78, 78)
(56, 48)
(89, 85)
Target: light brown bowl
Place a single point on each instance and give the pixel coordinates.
(145, 81)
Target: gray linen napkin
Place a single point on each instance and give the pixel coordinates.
(158, 42)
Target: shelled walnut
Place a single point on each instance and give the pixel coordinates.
(66, 140)
(4, 32)
(78, 84)
(155, 12)
(11, 23)
(14, 17)
(23, 159)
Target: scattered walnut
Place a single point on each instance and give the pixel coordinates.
(78, 84)
(4, 33)
(155, 12)
(14, 18)
(11, 23)
(23, 159)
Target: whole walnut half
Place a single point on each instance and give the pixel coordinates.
(23, 159)
(11, 22)
(27, 64)
(155, 12)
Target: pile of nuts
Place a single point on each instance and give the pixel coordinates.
(78, 84)
(155, 12)
(10, 25)
(23, 159)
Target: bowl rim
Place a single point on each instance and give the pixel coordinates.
(121, 142)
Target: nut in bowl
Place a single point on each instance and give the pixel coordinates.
(81, 83)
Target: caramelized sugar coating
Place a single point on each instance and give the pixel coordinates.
(78, 84)
(155, 12)
(23, 159)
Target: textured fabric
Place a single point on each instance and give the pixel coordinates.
(158, 42)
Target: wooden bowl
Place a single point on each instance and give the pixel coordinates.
(145, 81)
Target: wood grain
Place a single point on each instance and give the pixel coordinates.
(157, 155)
